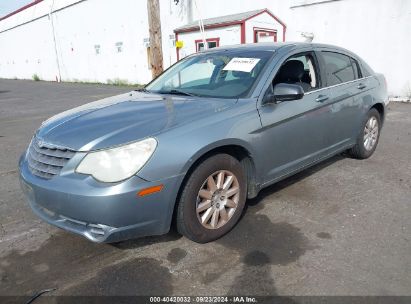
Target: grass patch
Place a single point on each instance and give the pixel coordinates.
(35, 77)
(113, 82)
(118, 82)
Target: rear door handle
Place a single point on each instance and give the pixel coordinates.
(361, 86)
(321, 98)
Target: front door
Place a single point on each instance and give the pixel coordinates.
(295, 133)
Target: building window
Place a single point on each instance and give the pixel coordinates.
(211, 43)
(265, 35)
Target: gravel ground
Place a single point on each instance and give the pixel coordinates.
(340, 228)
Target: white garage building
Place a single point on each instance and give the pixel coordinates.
(105, 40)
(248, 27)
(108, 41)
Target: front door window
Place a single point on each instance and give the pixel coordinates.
(301, 70)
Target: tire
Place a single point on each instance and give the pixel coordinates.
(362, 148)
(197, 224)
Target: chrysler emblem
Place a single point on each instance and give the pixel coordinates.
(41, 143)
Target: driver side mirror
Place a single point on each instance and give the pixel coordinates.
(285, 92)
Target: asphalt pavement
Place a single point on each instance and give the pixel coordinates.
(340, 228)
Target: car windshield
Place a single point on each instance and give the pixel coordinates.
(223, 74)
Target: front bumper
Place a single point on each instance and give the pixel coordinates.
(98, 211)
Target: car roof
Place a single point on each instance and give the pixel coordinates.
(273, 46)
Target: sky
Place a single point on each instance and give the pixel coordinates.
(8, 6)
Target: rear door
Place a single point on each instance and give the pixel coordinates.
(343, 78)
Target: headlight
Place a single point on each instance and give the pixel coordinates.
(119, 163)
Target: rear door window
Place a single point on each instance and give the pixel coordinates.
(356, 67)
(339, 68)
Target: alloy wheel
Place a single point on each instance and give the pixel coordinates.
(217, 199)
(371, 133)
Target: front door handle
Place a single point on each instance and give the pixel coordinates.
(321, 98)
(361, 86)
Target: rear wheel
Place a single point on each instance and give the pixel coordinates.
(368, 138)
(212, 199)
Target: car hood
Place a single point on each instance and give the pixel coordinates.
(125, 118)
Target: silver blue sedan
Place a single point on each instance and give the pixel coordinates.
(198, 141)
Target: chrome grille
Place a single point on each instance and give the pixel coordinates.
(46, 160)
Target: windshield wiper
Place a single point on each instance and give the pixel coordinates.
(142, 90)
(177, 92)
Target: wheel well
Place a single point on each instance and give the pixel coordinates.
(380, 108)
(238, 152)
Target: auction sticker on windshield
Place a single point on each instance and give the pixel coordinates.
(241, 64)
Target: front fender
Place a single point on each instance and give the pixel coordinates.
(216, 145)
(180, 148)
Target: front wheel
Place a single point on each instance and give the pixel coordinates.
(212, 199)
(369, 135)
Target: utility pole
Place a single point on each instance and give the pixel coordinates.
(154, 25)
